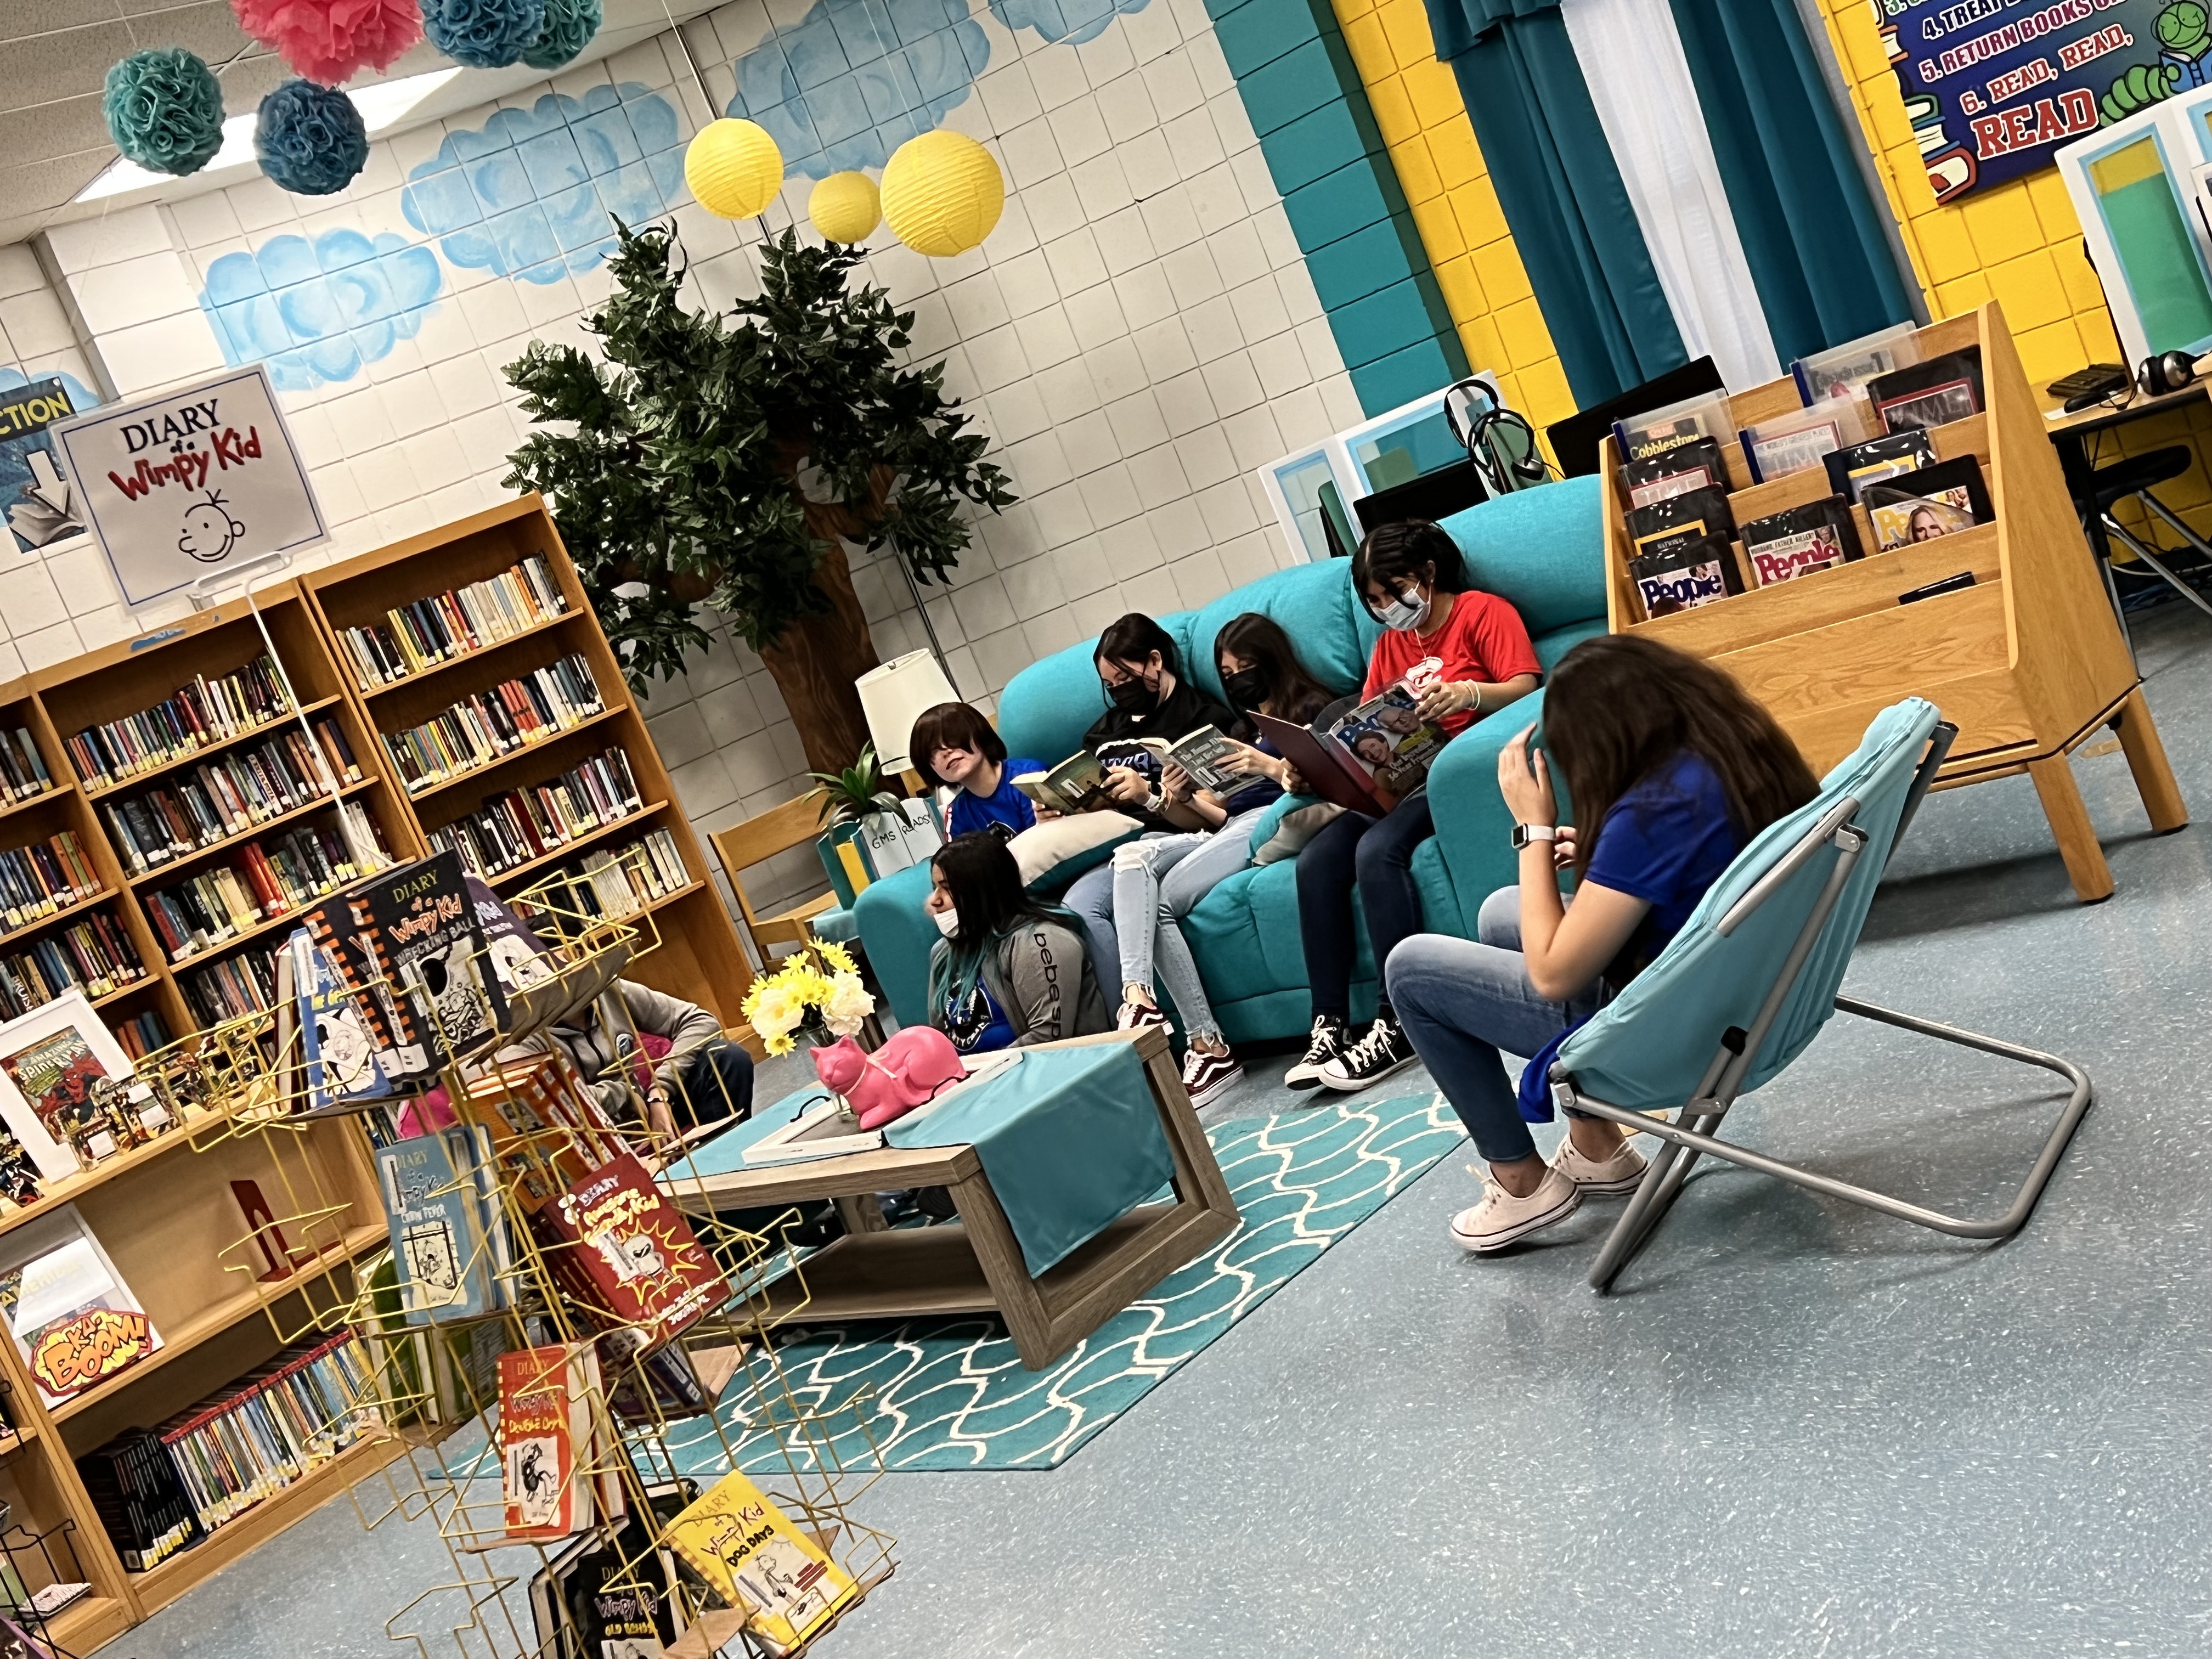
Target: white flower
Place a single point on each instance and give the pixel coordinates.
(846, 1005)
(775, 1011)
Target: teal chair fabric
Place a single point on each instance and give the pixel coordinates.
(1540, 548)
(1649, 1048)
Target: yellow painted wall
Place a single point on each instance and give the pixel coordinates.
(1418, 107)
(2019, 242)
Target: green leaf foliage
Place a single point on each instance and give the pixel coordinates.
(709, 460)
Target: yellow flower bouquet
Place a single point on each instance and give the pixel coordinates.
(816, 991)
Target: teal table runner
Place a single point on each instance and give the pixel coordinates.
(1069, 1137)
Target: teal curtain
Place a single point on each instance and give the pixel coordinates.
(1810, 230)
(1562, 194)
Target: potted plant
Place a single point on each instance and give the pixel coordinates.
(858, 808)
(815, 993)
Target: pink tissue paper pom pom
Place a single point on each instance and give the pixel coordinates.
(331, 41)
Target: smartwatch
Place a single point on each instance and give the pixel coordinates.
(1525, 832)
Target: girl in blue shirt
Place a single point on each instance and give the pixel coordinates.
(954, 747)
(1678, 769)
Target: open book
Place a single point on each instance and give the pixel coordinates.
(1078, 784)
(1368, 756)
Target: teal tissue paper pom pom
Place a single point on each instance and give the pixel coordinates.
(311, 139)
(484, 33)
(570, 27)
(164, 110)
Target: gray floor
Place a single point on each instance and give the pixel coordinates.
(1799, 1428)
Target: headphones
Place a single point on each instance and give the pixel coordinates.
(2170, 371)
(1500, 444)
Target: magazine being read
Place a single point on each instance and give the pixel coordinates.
(1387, 739)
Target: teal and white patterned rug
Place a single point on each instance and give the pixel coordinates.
(952, 1393)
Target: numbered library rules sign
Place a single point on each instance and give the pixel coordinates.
(181, 487)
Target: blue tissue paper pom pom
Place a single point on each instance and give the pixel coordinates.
(311, 139)
(164, 109)
(570, 27)
(484, 33)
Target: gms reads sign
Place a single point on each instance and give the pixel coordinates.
(182, 486)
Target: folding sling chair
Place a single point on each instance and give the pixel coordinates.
(1752, 976)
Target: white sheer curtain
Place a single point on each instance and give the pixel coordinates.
(1631, 59)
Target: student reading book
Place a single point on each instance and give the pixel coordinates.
(1467, 654)
(1141, 674)
(955, 747)
(1157, 880)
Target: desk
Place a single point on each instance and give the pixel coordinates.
(2069, 432)
(974, 1265)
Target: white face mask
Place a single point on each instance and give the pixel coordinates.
(947, 919)
(1404, 614)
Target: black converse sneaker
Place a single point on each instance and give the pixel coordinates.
(1326, 1044)
(1383, 1050)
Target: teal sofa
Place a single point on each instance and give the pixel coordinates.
(1542, 548)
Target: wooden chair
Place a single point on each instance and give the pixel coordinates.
(759, 838)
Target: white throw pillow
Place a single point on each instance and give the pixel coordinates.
(1044, 848)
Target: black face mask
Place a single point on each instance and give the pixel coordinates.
(1247, 687)
(1133, 696)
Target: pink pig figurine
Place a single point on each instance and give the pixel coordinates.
(913, 1064)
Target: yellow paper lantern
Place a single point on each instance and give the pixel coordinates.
(845, 207)
(942, 193)
(733, 167)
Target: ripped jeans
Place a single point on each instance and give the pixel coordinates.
(1157, 881)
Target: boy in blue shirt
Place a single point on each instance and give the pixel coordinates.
(953, 746)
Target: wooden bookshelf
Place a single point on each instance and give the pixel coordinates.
(2028, 662)
(171, 1222)
(699, 957)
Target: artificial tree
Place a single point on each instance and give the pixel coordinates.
(731, 464)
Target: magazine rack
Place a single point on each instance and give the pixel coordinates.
(2028, 662)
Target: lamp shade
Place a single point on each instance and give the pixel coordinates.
(896, 695)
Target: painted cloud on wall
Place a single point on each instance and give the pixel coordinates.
(1068, 23)
(319, 311)
(853, 80)
(528, 194)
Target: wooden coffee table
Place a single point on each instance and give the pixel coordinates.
(974, 1265)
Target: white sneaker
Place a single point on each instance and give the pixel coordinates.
(1134, 1015)
(1207, 1077)
(1327, 1043)
(1621, 1173)
(1502, 1219)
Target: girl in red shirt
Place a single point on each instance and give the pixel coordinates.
(1467, 654)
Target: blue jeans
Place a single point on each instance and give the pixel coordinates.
(1462, 1001)
(1157, 882)
(716, 1083)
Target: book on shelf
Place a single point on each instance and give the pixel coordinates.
(441, 1374)
(237, 986)
(448, 1236)
(1853, 468)
(614, 881)
(22, 768)
(141, 1034)
(749, 1553)
(1800, 540)
(548, 1130)
(422, 925)
(94, 954)
(1674, 472)
(1678, 519)
(54, 1063)
(1684, 576)
(614, 1596)
(42, 876)
(228, 795)
(1677, 425)
(1930, 501)
(479, 729)
(140, 1498)
(75, 1320)
(1797, 442)
(440, 627)
(547, 1451)
(201, 712)
(266, 879)
(338, 1051)
(1934, 392)
(626, 1251)
(517, 957)
(1841, 372)
(276, 1425)
(525, 824)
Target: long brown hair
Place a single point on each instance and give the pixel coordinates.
(1618, 707)
(1292, 694)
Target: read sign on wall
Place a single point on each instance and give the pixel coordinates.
(182, 486)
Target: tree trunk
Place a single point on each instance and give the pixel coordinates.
(814, 663)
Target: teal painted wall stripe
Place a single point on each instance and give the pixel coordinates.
(1308, 106)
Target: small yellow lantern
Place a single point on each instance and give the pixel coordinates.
(845, 207)
(942, 193)
(733, 167)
